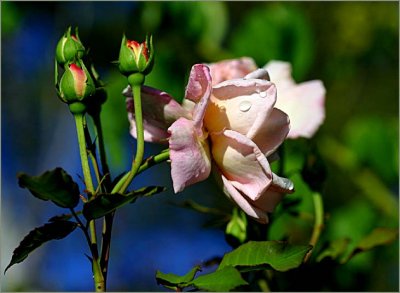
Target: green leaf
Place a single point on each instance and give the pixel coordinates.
(105, 203)
(55, 185)
(236, 230)
(379, 236)
(222, 280)
(172, 280)
(335, 249)
(38, 236)
(281, 256)
(63, 217)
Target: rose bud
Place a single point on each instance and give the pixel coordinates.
(76, 84)
(69, 48)
(136, 57)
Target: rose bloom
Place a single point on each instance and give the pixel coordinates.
(304, 102)
(231, 127)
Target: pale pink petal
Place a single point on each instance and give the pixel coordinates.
(159, 110)
(241, 162)
(272, 132)
(304, 103)
(280, 73)
(189, 154)
(259, 73)
(240, 104)
(151, 132)
(275, 193)
(199, 90)
(231, 69)
(198, 83)
(241, 200)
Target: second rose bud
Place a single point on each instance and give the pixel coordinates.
(136, 57)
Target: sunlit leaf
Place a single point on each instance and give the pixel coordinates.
(281, 256)
(106, 203)
(222, 280)
(172, 280)
(55, 185)
(38, 236)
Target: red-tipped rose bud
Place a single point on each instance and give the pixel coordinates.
(136, 57)
(69, 48)
(76, 84)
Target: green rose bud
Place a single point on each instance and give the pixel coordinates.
(76, 84)
(69, 48)
(136, 57)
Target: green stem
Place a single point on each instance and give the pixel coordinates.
(137, 161)
(318, 221)
(102, 152)
(80, 128)
(148, 163)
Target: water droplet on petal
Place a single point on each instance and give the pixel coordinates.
(245, 106)
(263, 94)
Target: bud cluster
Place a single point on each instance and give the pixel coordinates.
(77, 86)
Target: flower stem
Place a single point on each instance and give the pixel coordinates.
(137, 161)
(80, 128)
(147, 164)
(318, 222)
(102, 152)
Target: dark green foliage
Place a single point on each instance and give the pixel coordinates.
(105, 203)
(51, 231)
(55, 185)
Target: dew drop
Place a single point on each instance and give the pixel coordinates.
(245, 106)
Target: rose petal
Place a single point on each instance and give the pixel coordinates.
(151, 132)
(259, 73)
(159, 110)
(280, 73)
(189, 154)
(271, 132)
(241, 200)
(241, 161)
(199, 90)
(198, 83)
(304, 103)
(240, 105)
(231, 69)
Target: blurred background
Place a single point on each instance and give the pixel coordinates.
(353, 47)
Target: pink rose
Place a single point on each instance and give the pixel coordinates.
(231, 127)
(304, 102)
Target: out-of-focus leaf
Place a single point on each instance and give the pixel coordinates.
(175, 281)
(379, 236)
(281, 256)
(285, 35)
(38, 236)
(335, 249)
(314, 170)
(55, 185)
(368, 182)
(106, 203)
(10, 17)
(237, 226)
(374, 141)
(223, 280)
